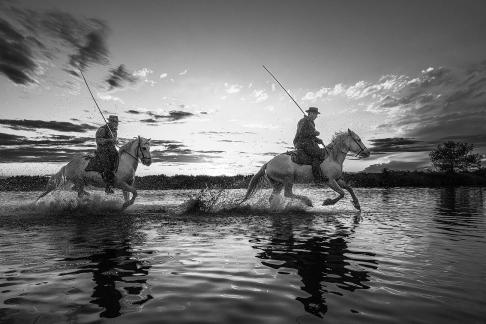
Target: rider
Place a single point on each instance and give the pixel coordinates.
(307, 140)
(106, 139)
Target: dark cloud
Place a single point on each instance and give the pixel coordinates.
(27, 124)
(173, 115)
(439, 103)
(25, 32)
(40, 154)
(17, 59)
(119, 77)
(397, 165)
(132, 111)
(398, 144)
(10, 140)
(149, 121)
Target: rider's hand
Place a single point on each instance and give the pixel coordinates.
(317, 133)
(318, 140)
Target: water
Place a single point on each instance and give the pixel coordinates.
(411, 256)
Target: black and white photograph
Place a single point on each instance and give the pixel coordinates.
(230, 161)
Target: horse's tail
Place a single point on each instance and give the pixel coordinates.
(254, 182)
(55, 181)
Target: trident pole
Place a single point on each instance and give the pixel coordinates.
(273, 76)
(113, 136)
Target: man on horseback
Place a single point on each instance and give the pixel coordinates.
(106, 140)
(307, 140)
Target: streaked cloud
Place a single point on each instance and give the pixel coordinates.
(183, 72)
(120, 77)
(163, 76)
(28, 124)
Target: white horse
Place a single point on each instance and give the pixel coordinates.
(283, 173)
(129, 154)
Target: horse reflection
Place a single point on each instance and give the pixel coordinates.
(119, 275)
(322, 261)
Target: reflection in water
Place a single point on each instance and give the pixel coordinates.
(323, 262)
(459, 207)
(117, 271)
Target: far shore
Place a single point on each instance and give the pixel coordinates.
(385, 179)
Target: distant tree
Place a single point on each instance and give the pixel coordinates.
(455, 156)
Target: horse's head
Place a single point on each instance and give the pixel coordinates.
(356, 145)
(144, 151)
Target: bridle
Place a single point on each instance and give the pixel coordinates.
(361, 149)
(138, 150)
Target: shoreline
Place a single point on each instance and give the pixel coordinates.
(386, 179)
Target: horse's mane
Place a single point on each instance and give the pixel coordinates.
(126, 146)
(337, 142)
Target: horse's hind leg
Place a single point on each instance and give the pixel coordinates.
(289, 194)
(79, 187)
(277, 189)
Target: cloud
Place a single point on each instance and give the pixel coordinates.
(119, 77)
(53, 140)
(183, 72)
(259, 95)
(232, 88)
(163, 75)
(134, 112)
(108, 97)
(396, 165)
(28, 124)
(398, 144)
(143, 75)
(17, 59)
(173, 115)
(30, 39)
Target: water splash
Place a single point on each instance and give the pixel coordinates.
(60, 202)
(215, 201)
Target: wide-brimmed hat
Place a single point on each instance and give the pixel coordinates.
(313, 110)
(113, 118)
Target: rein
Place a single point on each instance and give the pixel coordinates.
(138, 149)
(361, 149)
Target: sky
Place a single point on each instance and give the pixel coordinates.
(404, 75)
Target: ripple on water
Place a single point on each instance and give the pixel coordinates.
(412, 255)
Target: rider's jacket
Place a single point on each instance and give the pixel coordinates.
(104, 133)
(306, 132)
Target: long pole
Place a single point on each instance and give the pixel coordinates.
(113, 136)
(273, 76)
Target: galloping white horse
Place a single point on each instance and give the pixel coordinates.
(283, 173)
(129, 154)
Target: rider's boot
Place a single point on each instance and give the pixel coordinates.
(109, 178)
(319, 177)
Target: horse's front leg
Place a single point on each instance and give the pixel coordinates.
(127, 188)
(126, 196)
(334, 186)
(344, 185)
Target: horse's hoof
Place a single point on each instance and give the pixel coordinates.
(309, 203)
(356, 205)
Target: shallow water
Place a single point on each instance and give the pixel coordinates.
(411, 256)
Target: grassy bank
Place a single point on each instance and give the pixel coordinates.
(385, 179)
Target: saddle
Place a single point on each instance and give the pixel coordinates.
(96, 164)
(299, 156)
